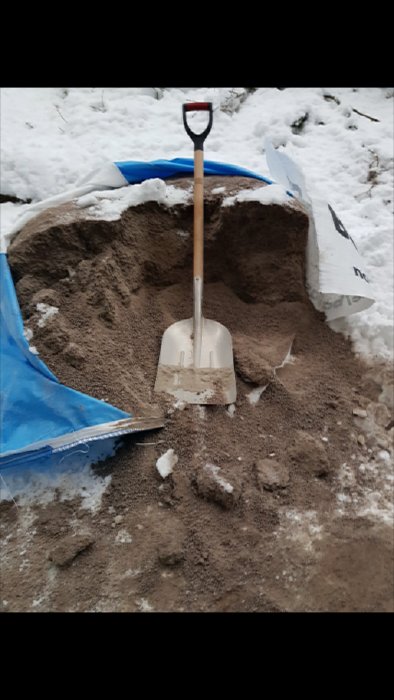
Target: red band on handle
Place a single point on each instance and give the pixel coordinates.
(196, 106)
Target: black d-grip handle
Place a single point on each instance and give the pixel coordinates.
(198, 139)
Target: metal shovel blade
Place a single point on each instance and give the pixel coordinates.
(213, 382)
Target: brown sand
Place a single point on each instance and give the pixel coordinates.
(248, 520)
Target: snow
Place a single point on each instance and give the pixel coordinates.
(109, 204)
(254, 395)
(9, 213)
(144, 605)
(47, 311)
(289, 359)
(166, 463)
(53, 137)
(45, 487)
(301, 527)
(123, 537)
(373, 500)
(271, 194)
(28, 333)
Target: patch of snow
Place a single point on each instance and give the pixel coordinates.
(201, 412)
(166, 463)
(301, 527)
(45, 487)
(110, 204)
(28, 333)
(288, 360)
(373, 497)
(231, 410)
(123, 537)
(131, 573)
(9, 213)
(218, 190)
(37, 601)
(271, 194)
(213, 470)
(144, 605)
(47, 311)
(254, 395)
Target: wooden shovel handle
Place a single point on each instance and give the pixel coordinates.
(198, 140)
(198, 257)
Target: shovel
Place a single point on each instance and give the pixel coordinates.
(196, 357)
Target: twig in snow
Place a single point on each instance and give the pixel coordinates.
(60, 114)
(373, 119)
(328, 97)
(372, 175)
(100, 107)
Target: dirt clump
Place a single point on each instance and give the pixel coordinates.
(65, 552)
(309, 454)
(212, 485)
(271, 474)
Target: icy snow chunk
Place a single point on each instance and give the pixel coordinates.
(166, 463)
(231, 410)
(255, 394)
(123, 537)
(47, 311)
(288, 360)
(270, 194)
(214, 471)
(45, 487)
(28, 333)
(108, 205)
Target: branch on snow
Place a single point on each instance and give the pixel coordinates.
(365, 115)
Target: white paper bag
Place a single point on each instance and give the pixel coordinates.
(337, 279)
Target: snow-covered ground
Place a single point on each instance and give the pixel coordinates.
(341, 137)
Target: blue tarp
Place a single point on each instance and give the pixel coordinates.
(39, 416)
(136, 171)
(35, 407)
